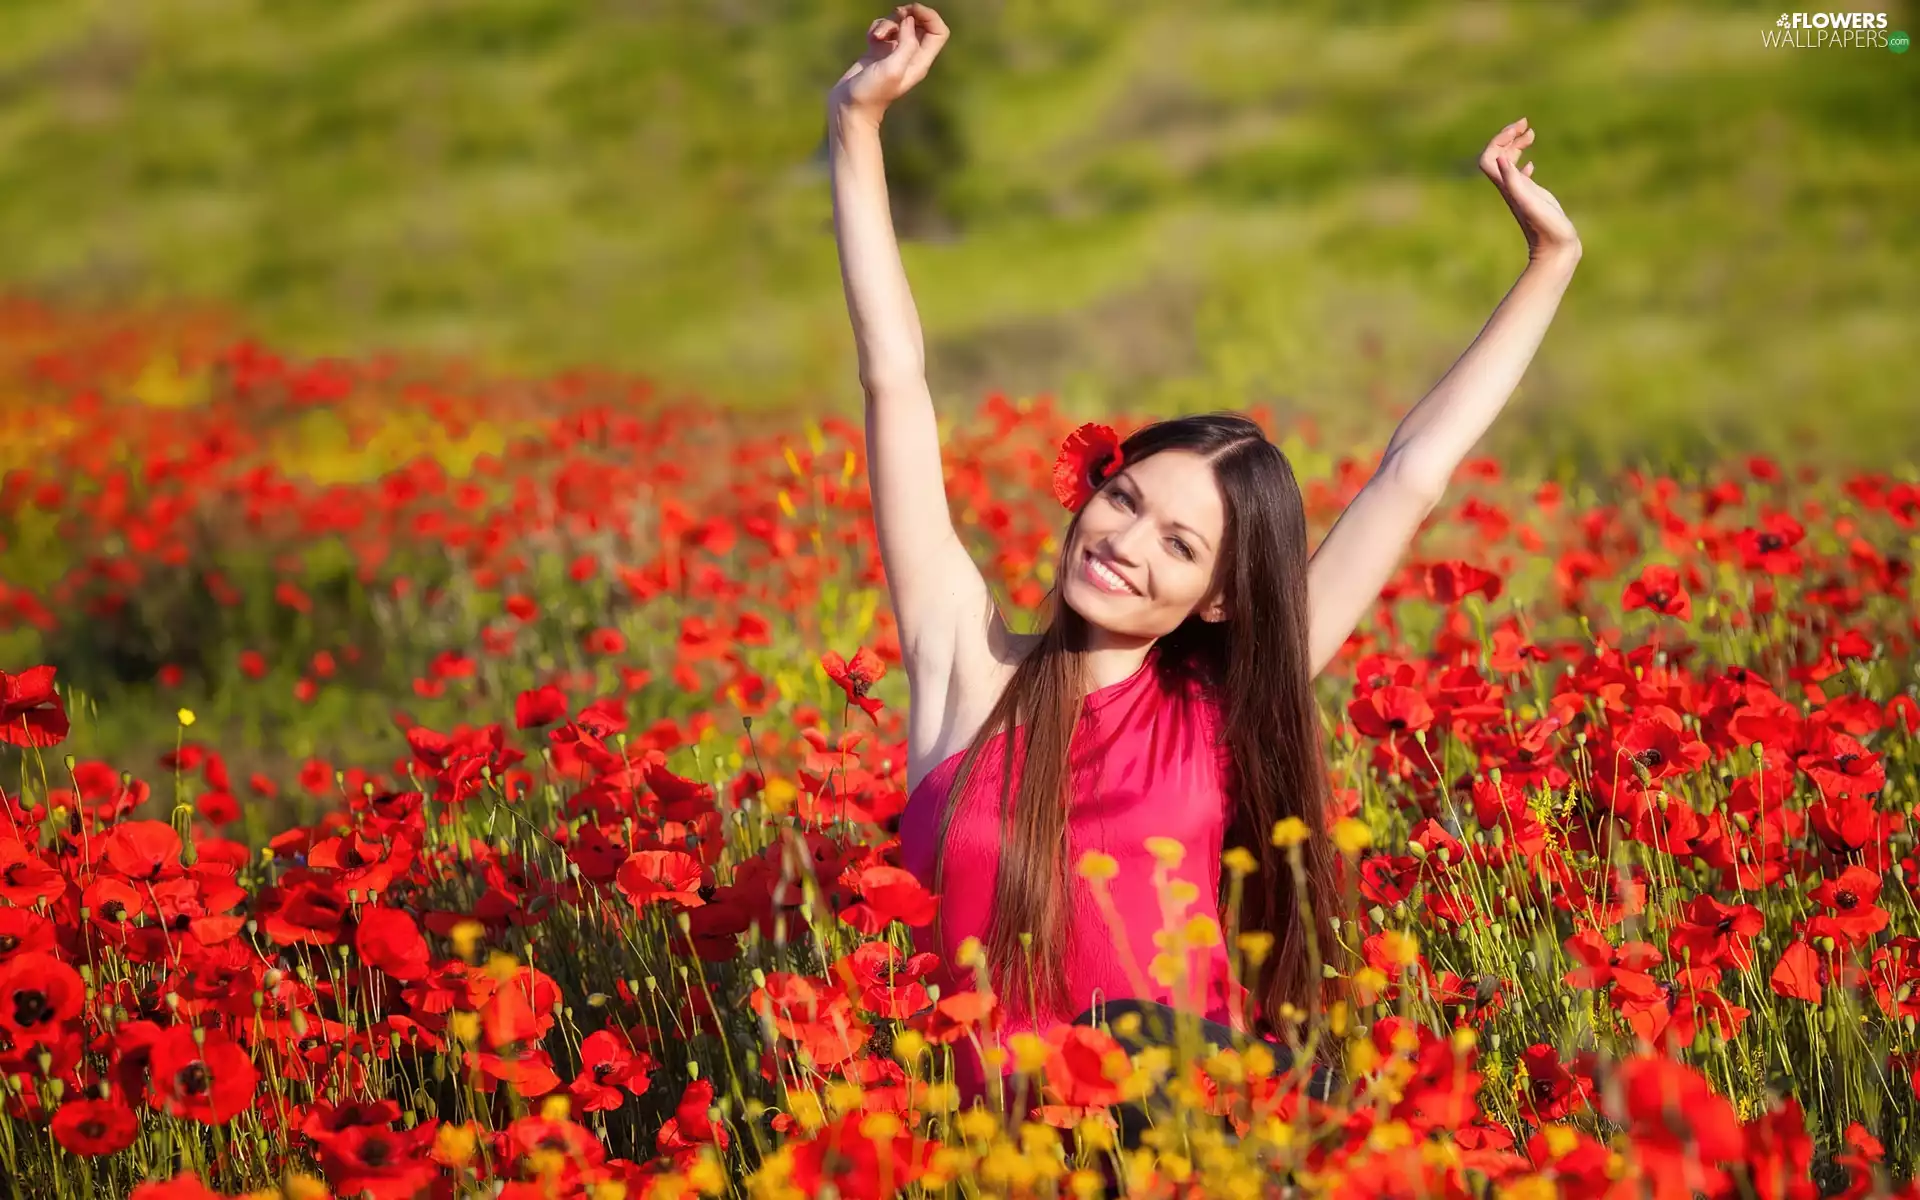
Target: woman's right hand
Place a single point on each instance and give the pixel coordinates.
(900, 48)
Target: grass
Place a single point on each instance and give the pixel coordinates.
(1199, 206)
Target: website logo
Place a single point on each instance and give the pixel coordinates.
(1833, 31)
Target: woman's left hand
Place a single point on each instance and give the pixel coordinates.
(1549, 232)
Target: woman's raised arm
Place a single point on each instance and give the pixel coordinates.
(1361, 551)
(935, 586)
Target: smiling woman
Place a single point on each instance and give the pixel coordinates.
(1164, 713)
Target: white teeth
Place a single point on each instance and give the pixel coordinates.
(1107, 573)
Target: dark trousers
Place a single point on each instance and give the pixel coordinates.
(1158, 1028)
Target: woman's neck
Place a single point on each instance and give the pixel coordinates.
(1111, 659)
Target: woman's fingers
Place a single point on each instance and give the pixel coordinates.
(927, 21)
(923, 33)
(1504, 150)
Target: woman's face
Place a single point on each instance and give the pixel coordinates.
(1143, 555)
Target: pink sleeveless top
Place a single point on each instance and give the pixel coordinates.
(1145, 762)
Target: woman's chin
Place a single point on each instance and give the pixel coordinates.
(1095, 607)
(1073, 594)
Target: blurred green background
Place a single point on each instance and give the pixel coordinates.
(1159, 205)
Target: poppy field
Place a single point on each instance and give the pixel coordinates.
(424, 784)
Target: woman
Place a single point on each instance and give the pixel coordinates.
(1168, 696)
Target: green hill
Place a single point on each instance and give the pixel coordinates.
(1157, 204)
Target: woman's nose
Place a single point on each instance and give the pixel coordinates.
(1124, 543)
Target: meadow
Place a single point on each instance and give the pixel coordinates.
(1160, 206)
(505, 816)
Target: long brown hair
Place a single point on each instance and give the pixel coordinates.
(1257, 664)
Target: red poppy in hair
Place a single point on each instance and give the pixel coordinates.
(1088, 458)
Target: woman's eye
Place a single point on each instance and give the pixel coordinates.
(1120, 498)
(1180, 548)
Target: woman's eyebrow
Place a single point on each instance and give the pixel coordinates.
(1194, 533)
(1127, 485)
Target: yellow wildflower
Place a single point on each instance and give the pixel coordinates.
(1202, 931)
(1097, 866)
(807, 1109)
(978, 1124)
(304, 1187)
(1256, 944)
(1403, 949)
(1561, 1141)
(454, 1144)
(1167, 851)
(908, 1046)
(844, 1097)
(1029, 1052)
(1352, 836)
(1290, 832)
(880, 1126)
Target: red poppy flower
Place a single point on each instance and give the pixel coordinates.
(889, 894)
(817, 1015)
(24, 932)
(1853, 915)
(184, 1186)
(1390, 710)
(861, 1163)
(606, 1065)
(884, 980)
(1450, 582)
(692, 1122)
(1798, 974)
(31, 712)
(1086, 1066)
(856, 678)
(1770, 548)
(1602, 964)
(390, 940)
(211, 1082)
(529, 1072)
(957, 1016)
(1088, 458)
(521, 1009)
(380, 1163)
(144, 850)
(1682, 1129)
(651, 876)
(1712, 933)
(25, 878)
(1553, 1092)
(539, 706)
(38, 995)
(1658, 590)
(95, 1127)
(327, 1119)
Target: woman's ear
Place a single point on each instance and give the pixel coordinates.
(1214, 611)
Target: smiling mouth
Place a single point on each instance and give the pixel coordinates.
(1106, 576)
